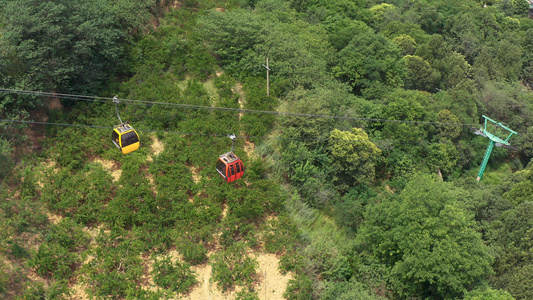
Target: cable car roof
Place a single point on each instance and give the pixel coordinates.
(123, 128)
(228, 157)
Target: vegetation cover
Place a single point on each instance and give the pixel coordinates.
(360, 162)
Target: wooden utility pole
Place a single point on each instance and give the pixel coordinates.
(268, 79)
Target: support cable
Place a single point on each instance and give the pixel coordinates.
(238, 110)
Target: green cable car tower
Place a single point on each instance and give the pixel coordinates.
(494, 131)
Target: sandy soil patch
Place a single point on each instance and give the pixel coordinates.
(224, 210)
(273, 284)
(195, 174)
(157, 148)
(110, 166)
(78, 292)
(152, 183)
(147, 280)
(205, 289)
(53, 218)
(49, 166)
(238, 90)
(94, 232)
(249, 148)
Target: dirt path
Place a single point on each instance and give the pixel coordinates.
(271, 285)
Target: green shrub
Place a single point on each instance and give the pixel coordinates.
(37, 291)
(4, 278)
(299, 288)
(233, 267)
(53, 260)
(246, 294)
(68, 234)
(79, 195)
(174, 276)
(193, 253)
(327, 261)
(291, 261)
(116, 268)
(6, 162)
(18, 251)
(281, 234)
(346, 290)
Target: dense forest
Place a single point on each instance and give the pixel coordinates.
(361, 157)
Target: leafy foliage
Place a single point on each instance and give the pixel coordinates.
(354, 156)
(53, 260)
(233, 267)
(72, 46)
(421, 237)
(369, 59)
(396, 70)
(116, 268)
(175, 277)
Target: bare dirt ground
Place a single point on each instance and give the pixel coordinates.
(110, 166)
(196, 177)
(249, 149)
(273, 283)
(271, 286)
(157, 148)
(242, 99)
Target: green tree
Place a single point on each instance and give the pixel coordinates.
(369, 59)
(488, 294)
(353, 155)
(450, 128)
(409, 106)
(427, 241)
(68, 46)
(333, 99)
(420, 75)
(397, 28)
(443, 156)
(406, 43)
(452, 66)
(521, 283)
(522, 190)
(527, 66)
(297, 52)
(498, 60)
(512, 238)
(230, 35)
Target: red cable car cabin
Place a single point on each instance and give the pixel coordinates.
(230, 167)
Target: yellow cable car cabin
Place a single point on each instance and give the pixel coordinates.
(125, 138)
(230, 167)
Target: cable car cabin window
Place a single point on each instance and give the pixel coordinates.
(221, 167)
(232, 170)
(238, 165)
(114, 137)
(129, 138)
